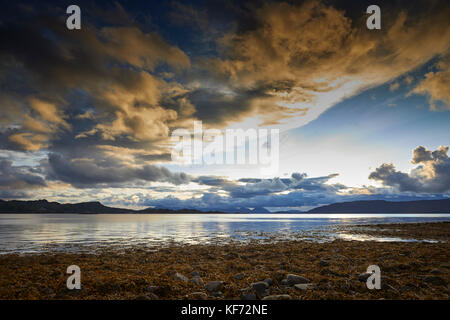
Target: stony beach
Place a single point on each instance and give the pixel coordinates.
(288, 269)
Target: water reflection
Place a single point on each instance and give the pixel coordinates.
(35, 232)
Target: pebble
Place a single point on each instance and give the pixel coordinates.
(303, 286)
(434, 280)
(214, 286)
(293, 279)
(269, 281)
(260, 288)
(436, 271)
(195, 274)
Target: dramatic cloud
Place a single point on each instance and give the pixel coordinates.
(436, 85)
(94, 108)
(305, 58)
(92, 98)
(18, 177)
(107, 172)
(110, 68)
(432, 175)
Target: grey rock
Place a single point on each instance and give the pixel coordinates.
(278, 297)
(269, 281)
(180, 277)
(434, 280)
(284, 282)
(436, 271)
(260, 288)
(293, 279)
(303, 286)
(214, 286)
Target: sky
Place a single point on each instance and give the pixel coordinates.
(92, 114)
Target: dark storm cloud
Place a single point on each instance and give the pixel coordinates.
(104, 172)
(43, 63)
(89, 97)
(432, 175)
(13, 194)
(18, 177)
(165, 157)
(217, 107)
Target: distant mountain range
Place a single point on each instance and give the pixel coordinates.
(369, 206)
(381, 206)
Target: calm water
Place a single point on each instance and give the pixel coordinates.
(38, 232)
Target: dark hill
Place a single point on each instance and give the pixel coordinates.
(43, 206)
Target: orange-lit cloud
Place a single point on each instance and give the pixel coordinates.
(436, 85)
(320, 55)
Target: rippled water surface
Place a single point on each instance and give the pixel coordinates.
(42, 232)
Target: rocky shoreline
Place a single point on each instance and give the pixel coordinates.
(283, 270)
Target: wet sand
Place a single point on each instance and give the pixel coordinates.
(332, 270)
